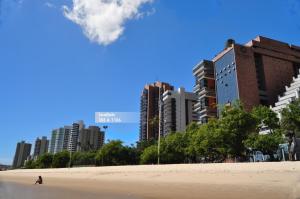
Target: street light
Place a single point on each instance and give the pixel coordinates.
(159, 126)
(158, 149)
(70, 159)
(105, 127)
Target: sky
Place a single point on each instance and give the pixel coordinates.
(63, 60)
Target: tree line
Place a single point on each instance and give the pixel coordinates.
(231, 137)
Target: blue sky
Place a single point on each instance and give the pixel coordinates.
(52, 73)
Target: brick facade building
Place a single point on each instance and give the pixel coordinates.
(255, 73)
(150, 117)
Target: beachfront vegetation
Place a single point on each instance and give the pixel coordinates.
(61, 160)
(231, 137)
(267, 143)
(149, 155)
(291, 117)
(44, 161)
(30, 164)
(115, 153)
(83, 158)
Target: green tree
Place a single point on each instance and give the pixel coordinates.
(83, 158)
(173, 148)
(290, 120)
(30, 164)
(141, 145)
(61, 159)
(236, 124)
(132, 155)
(44, 161)
(266, 116)
(192, 133)
(114, 153)
(149, 155)
(192, 127)
(209, 143)
(268, 143)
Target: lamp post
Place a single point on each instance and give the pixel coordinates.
(70, 159)
(158, 149)
(104, 127)
(159, 128)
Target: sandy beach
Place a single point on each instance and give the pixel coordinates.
(191, 181)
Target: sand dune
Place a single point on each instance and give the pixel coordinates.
(228, 180)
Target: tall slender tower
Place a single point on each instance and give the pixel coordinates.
(90, 139)
(41, 146)
(60, 139)
(66, 137)
(204, 88)
(22, 152)
(178, 110)
(77, 128)
(151, 120)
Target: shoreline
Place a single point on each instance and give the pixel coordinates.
(221, 180)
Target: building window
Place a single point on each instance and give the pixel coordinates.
(260, 74)
(204, 102)
(203, 83)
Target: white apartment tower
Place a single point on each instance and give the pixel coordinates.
(291, 94)
(77, 128)
(59, 139)
(178, 110)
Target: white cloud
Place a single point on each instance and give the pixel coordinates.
(103, 21)
(50, 5)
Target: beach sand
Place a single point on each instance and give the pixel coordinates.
(280, 180)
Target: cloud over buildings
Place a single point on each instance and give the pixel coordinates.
(103, 21)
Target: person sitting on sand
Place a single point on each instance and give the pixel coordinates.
(39, 180)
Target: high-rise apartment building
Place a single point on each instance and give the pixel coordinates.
(291, 94)
(41, 146)
(178, 110)
(255, 73)
(77, 128)
(76, 138)
(66, 137)
(204, 88)
(90, 139)
(59, 139)
(22, 152)
(150, 118)
(52, 142)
